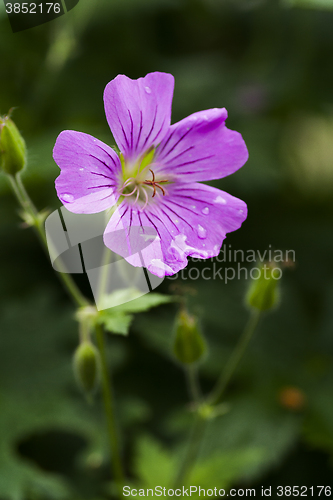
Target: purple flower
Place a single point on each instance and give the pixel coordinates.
(153, 183)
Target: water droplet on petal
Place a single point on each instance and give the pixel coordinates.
(193, 206)
(67, 198)
(221, 200)
(81, 169)
(205, 210)
(241, 211)
(148, 90)
(202, 233)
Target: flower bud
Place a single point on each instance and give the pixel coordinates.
(189, 345)
(12, 147)
(87, 366)
(263, 293)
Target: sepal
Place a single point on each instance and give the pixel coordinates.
(13, 153)
(189, 344)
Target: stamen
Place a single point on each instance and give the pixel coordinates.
(132, 192)
(126, 184)
(137, 195)
(129, 180)
(147, 199)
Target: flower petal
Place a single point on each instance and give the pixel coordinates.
(191, 220)
(139, 111)
(201, 147)
(89, 172)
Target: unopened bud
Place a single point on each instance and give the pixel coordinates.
(263, 293)
(87, 366)
(189, 345)
(12, 147)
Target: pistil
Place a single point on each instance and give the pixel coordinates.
(155, 184)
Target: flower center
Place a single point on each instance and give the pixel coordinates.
(136, 188)
(137, 185)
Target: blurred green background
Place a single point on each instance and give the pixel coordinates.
(270, 64)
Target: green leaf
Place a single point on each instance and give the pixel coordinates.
(252, 427)
(225, 468)
(156, 465)
(254, 424)
(115, 322)
(119, 297)
(117, 317)
(131, 300)
(146, 302)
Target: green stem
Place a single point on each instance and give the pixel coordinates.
(193, 383)
(117, 467)
(192, 450)
(27, 205)
(222, 383)
(84, 331)
(235, 358)
(16, 190)
(104, 274)
(73, 290)
(198, 426)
